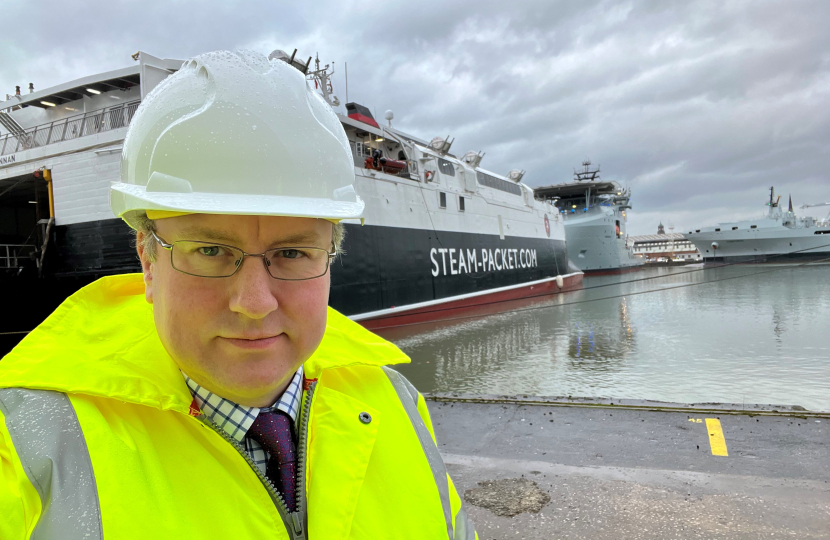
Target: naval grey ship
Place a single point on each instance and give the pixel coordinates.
(778, 237)
(593, 212)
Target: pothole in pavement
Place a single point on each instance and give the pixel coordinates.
(508, 497)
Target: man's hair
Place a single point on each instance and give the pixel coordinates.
(147, 226)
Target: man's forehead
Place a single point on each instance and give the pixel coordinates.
(241, 229)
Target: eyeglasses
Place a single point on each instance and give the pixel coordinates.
(206, 259)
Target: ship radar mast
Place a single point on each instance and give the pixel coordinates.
(322, 81)
(773, 202)
(320, 75)
(586, 174)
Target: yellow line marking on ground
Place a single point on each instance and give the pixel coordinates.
(716, 439)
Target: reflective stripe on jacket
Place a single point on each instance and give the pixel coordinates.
(97, 439)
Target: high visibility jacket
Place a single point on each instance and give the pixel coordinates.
(98, 439)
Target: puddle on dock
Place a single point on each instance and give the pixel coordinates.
(756, 334)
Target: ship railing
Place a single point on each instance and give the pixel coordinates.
(11, 254)
(72, 127)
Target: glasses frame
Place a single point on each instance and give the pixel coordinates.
(169, 247)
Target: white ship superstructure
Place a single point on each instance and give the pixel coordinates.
(436, 226)
(779, 236)
(594, 213)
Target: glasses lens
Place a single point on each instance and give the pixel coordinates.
(297, 263)
(205, 259)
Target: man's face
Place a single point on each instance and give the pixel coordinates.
(241, 337)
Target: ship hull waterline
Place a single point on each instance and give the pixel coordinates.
(806, 248)
(468, 306)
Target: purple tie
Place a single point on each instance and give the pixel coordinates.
(272, 430)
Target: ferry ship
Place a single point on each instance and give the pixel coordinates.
(593, 212)
(441, 235)
(777, 237)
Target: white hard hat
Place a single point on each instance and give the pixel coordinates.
(235, 133)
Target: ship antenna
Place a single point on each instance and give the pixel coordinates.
(322, 77)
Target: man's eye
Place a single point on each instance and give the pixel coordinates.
(291, 254)
(210, 251)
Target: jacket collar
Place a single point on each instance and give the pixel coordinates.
(102, 342)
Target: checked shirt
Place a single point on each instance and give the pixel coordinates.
(237, 419)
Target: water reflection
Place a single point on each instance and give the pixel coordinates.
(603, 342)
(777, 324)
(472, 352)
(749, 334)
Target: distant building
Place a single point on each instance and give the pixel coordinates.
(672, 246)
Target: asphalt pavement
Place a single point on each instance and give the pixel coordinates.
(534, 468)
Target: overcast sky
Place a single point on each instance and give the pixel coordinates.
(699, 107)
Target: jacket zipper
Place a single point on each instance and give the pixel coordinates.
(295, 522)
(301, 514)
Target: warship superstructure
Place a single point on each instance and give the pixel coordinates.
(593, 212)
(779, 236)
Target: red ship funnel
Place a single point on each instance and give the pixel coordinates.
(361, 114)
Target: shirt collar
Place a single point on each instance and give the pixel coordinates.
(237, 419)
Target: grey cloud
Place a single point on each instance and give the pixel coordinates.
(698, 106)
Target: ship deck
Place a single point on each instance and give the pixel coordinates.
(636, 469)
(576, 189)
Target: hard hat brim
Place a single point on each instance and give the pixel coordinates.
(125, 198)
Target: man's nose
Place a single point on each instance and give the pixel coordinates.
(252, 294)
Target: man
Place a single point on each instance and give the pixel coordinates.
(215, 395)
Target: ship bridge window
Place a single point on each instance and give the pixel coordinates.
(717, 230)
(446, 167)
(442, 199)
(734, 228)
(753, 226)
(822, 232)
(460, 203)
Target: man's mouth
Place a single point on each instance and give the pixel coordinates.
(253, 342)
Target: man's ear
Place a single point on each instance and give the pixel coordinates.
(146, 266)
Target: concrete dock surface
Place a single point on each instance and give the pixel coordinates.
(539, 468)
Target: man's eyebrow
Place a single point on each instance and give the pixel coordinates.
(298, 239)
(213, 235)
(205, 233)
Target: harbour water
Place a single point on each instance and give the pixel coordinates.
(737, 334)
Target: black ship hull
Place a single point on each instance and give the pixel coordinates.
(386, 267)
(381, 267)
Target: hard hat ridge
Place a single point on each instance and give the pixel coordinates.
(235, 133)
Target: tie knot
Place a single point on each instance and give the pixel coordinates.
(272, 430)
